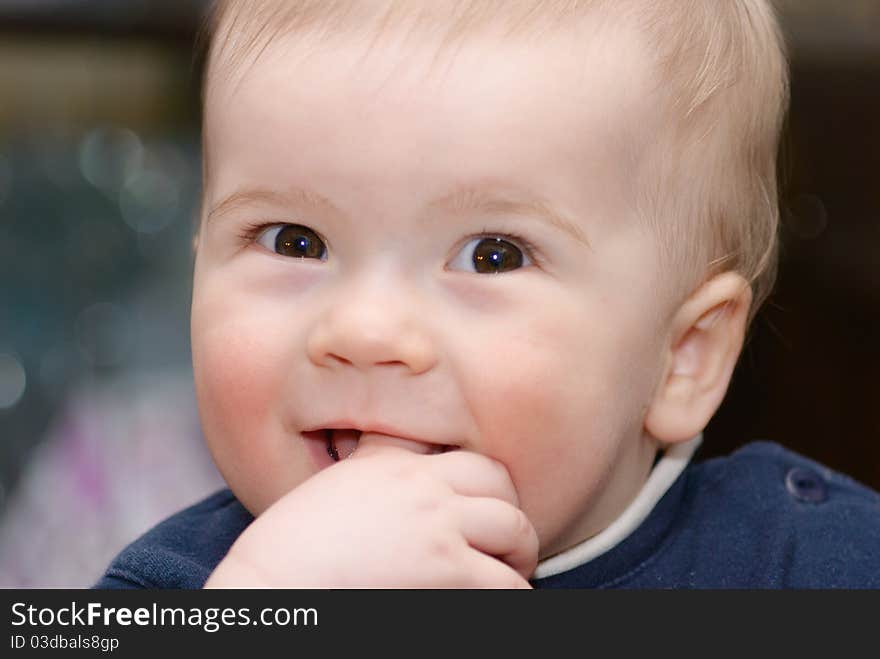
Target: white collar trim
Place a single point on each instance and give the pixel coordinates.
(664, 474)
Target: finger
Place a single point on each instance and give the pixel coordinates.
(466, 472)
(474, 475)
(372, 441)
(486, 571)
(498, 529)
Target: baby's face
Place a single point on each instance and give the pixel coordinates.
(446, 254)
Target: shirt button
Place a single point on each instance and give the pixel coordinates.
(806, 485)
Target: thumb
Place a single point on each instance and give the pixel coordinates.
(372, 442)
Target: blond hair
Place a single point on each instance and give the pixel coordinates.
(707, 184)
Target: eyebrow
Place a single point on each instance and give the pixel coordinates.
(463, 199)
(474, 198)
(257, 196)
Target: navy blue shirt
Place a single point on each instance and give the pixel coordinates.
(763, 517)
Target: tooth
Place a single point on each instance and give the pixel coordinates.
(345, 441)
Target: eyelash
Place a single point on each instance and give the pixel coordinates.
(249, 234)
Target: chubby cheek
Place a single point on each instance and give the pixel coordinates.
(546, 411)
(555, 447)
(238, 379)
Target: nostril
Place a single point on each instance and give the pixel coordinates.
(343, 341)
(340, 360)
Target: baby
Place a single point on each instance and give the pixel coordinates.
(471, 278)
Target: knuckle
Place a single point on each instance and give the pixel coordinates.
(428, 507)
(501, 478)
(501, 471)
(506, 483)
(522, 525)
(444, 559)
(441, 550)
(485, 462)
(409, 475)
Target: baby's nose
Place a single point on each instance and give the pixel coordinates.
(368, 332)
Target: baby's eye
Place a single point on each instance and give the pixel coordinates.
(489, 255)
(293, 240)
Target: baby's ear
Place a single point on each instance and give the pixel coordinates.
(707, 336)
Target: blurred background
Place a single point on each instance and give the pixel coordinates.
(99, 182)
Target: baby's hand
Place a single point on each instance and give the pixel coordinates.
(389, 517)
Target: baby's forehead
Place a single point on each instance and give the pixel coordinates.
(242, 32)
(554, 77)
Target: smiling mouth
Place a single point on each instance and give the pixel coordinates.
(342, 442)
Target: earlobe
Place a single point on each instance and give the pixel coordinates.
(706, 339)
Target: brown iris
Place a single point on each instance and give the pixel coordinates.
(299, 241)
(494, 255)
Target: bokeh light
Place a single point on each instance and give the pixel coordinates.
(13, 381)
